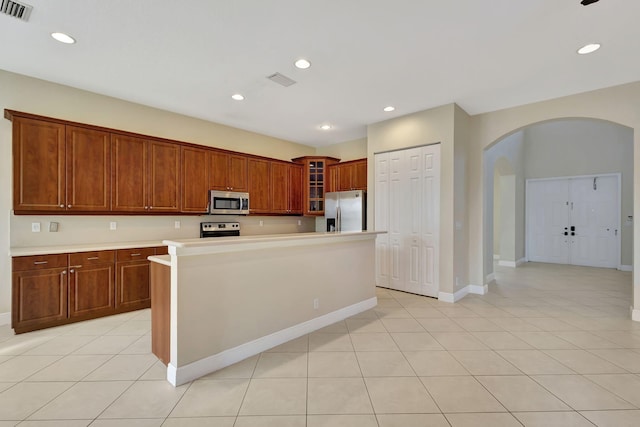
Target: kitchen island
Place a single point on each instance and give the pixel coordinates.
(217, 301)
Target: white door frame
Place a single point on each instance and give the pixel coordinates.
(618, 209)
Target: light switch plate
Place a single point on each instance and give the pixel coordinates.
(113, 225)
(35, 227)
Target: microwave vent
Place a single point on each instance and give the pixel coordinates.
(281, 79)
(15, 9)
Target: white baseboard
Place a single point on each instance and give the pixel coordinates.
(625, 267)
(513, 264)
(5, 318)
(635, 314)
(183, 374)
(449, 297)
(478, 289)
(491, 277)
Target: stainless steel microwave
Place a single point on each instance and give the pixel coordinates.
(228, 203)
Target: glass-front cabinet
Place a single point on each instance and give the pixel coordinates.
(314, 182)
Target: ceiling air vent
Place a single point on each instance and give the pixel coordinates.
(281, 79)
(15, 9)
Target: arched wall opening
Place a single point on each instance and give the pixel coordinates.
(549, 149)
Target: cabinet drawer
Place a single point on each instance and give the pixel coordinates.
(39, 262)
(91, 258)
(135, 254)
(162, 250)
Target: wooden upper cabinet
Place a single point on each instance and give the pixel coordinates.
(88, 163)
(38, 165)
(350, 176)
(145, 175)
(60, 168)
(286, 188)
(164, 177)
(314, 182)
(259, 186)
(295, 189)
(129, 174)
(228, 171)
(195, 180)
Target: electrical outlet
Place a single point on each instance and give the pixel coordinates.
(316, 303)
(35, 227)
(176, 224)
(53, 227)
(261, 223)
(113, 225)
(299, 222)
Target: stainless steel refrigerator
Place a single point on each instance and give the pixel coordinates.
(346, 210)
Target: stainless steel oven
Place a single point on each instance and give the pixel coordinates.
(219, 229)
(228, 203)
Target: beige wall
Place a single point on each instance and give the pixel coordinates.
(617, 104)
(349, 150)
(425, 127)
(39, 97)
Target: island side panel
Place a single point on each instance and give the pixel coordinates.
(160, 311)
(225, 300)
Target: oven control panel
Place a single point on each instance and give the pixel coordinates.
(219, 229)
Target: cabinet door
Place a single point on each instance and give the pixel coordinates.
(88, 161)
(259, 188)
(344, 177)
(279, 188)
(359, 175)
(238, 177)
(332, 178)
(218, 171)
(39, 299)
(129, 174)
(164, 177)
(91, 284)
(38, 165)
(295, 189)
(91, 291)
(195, 178)
(132, 285)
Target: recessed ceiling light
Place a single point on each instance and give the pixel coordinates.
(237, 96)
(389, 108)
(325, 127)
(63, 38)
(302, 63)
(589, 48)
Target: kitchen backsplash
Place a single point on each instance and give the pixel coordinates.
(74, 230)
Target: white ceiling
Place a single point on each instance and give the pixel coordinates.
(190, 56)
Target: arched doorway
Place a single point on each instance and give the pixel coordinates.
(557, 148)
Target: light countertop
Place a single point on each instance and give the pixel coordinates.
(87, 247)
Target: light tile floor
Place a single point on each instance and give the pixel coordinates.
(547, 346)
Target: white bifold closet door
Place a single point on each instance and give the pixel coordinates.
(407, 207)
(574, 220)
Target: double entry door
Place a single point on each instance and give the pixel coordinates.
(574, 220)
(407, 207)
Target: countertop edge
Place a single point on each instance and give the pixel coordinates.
(87, 247)
(161, 259)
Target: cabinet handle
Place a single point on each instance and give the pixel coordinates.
(69, 206)
(93, 257)
(62, 206)
(150, 207)
(136, 254)
(64, 272)
(40, 262)
(72, 271)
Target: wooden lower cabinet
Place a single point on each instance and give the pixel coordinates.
(91, 284)
(52, 290)
(132, 279)
(39, 299)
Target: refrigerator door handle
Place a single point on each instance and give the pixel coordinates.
(338, 219)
